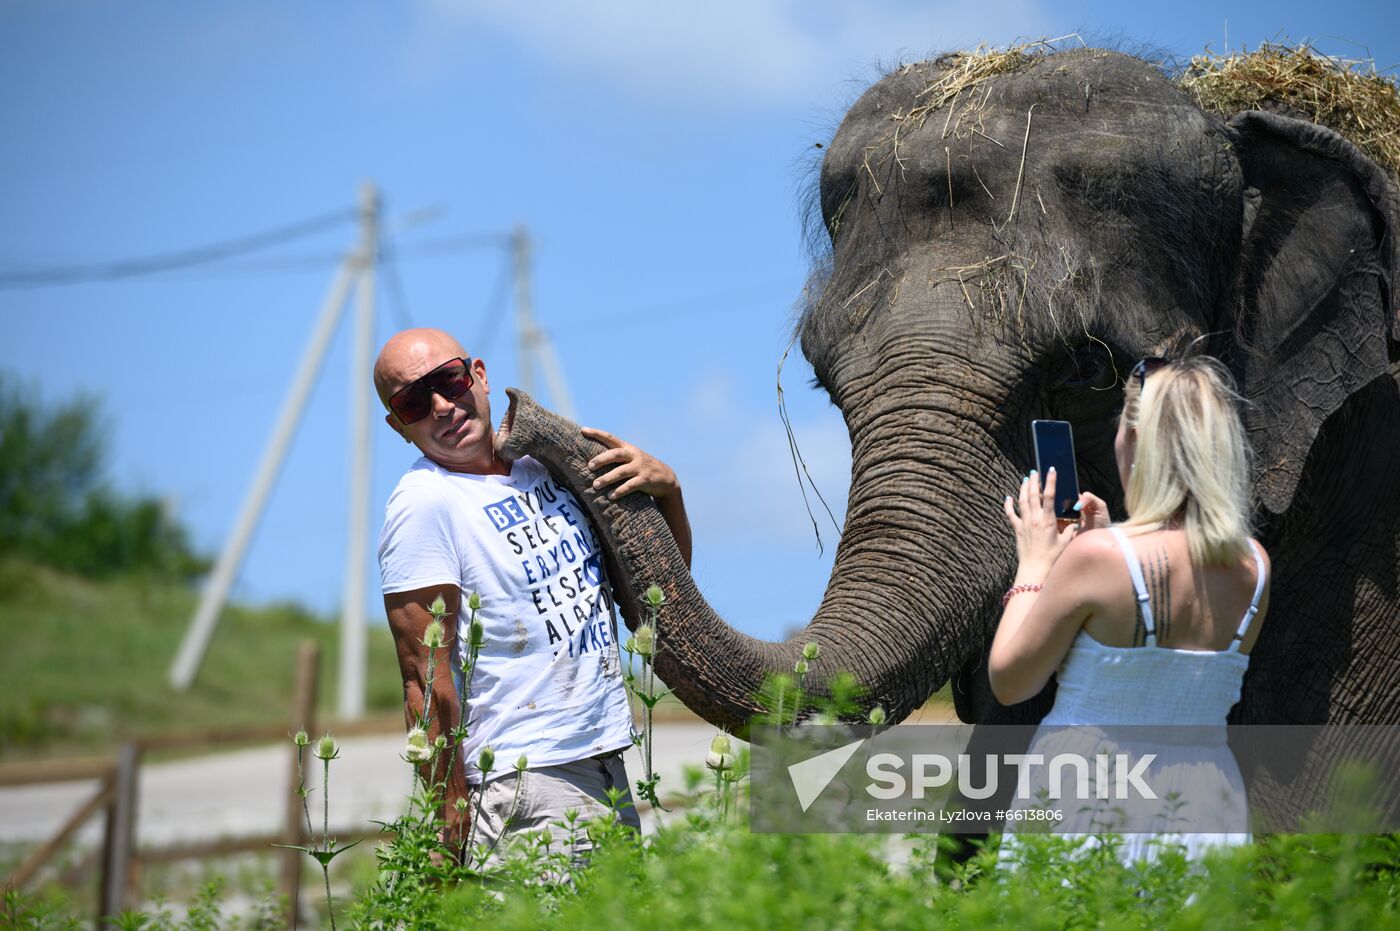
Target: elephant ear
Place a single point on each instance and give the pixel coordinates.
(1315, 311)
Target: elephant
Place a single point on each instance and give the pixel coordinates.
(1007, 235)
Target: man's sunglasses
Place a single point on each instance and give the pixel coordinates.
(414, 401)
(1146, 367)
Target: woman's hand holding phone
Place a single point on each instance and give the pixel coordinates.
(1040, 538)
(1093, 512)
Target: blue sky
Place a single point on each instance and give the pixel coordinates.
(657, 152)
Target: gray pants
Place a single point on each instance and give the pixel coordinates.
(520, 803)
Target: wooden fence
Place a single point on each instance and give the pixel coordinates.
(115, 798)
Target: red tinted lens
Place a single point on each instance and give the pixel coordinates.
(412, 403)
(451, 380)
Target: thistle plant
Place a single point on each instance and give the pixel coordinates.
(416, 748)
(432, 639)
(476, 638)
(302, 741)
(521, 764)
(326, 849)
(418, 860)
(810, 653)
(645, 643)
(777, 689)
(485, 762)
(720, 761)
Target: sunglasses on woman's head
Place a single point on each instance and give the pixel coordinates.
(414, 401)
(1146, 367)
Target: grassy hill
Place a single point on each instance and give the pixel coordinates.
(84, 663)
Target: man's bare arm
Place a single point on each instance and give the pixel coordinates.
(408, 619)
(637, 470)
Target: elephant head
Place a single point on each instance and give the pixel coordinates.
(1008, 233)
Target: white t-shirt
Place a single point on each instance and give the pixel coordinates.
(548, 682)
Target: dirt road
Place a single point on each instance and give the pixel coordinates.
(241, 793)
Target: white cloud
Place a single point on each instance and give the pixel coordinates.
(726, 51)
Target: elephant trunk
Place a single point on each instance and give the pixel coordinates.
(887, 618)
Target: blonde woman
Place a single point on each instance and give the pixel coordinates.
(1150, 621)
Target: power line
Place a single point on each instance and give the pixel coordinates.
(445, 245)
(398, 296)
(317, 261)
(171, 261)
(495, 307)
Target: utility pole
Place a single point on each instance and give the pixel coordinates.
(526, 335)
(356, 270)
(533, 346)
(201, 630)
(353, 633)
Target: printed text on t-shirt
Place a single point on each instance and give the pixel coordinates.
(562, 565)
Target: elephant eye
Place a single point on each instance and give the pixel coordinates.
(1090, 366)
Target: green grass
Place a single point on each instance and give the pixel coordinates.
(700, 875)
(84, 663)
(734, 879)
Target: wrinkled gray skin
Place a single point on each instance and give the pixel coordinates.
(1127, 223)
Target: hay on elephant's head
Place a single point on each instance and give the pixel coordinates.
(964, 70)
(1348, 96)
(958, 72)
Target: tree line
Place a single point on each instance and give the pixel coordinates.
(57, 507)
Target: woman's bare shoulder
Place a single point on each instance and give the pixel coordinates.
(1257, 547)
(1094, 542)
(1090, 550)
(1094, 563)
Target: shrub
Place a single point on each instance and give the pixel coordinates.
(55, 507)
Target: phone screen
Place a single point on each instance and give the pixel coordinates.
(1054, 446)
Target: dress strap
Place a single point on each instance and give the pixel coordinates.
(1139, 584)
(1253, 609)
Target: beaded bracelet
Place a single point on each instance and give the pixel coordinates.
(1015, 590)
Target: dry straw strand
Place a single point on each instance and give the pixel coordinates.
(1346, 95)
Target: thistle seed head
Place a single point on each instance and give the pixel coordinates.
(811, 651)
(720, 743)
(433, 634)
(474, 602)
(800, 667)
(522, 764)
(460, 805)
(877, 715)
(416, 748)
(440, 742)
(486, 760)
(438, 608)
(546, 837)
(326, 747)
(655, 596)
(719, 762)
(478, 634)
(300, 738)
(644, 641)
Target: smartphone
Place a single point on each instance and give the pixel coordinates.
(1054, 446)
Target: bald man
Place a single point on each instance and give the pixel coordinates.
(547, 685)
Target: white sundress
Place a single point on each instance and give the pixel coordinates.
(1100, 685)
